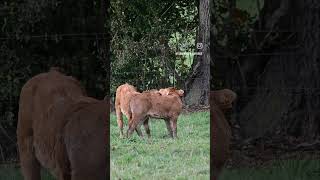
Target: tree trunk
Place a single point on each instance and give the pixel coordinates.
(197, 85)
(287, 99)
(103, 27)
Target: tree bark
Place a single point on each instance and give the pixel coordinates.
(287, 98)
(197, 84)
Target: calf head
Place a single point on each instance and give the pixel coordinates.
(224, 98)
(171, 91)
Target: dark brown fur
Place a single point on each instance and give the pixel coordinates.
(224, 98)
(221, 132)
(61, 129)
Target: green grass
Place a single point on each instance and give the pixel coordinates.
(280, 170)
(9, 172)
(163, 158)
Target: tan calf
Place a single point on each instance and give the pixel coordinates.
(156, 105)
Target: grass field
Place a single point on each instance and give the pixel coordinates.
(185, 158)
(8, 172)
(163, 158)
(280, 170)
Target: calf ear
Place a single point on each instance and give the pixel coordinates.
(232, 96)
(180, 92)
(224, 98)
(163, 92)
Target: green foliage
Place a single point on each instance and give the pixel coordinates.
(144, 42)
(231, 31)
(161, 157)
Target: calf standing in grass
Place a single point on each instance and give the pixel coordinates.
(124, 94)
(157, 105)
(220, 101)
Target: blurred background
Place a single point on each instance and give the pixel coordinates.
(35, 35)
(268, 53)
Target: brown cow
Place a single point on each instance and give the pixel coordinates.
(61, 129)
(220, 129)
(124, 93)
(156, 105)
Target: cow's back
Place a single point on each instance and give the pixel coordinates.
(166, 105)
(87, 150)
(39, 93)
(124, 93)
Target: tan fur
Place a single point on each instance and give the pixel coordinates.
(61, 129)
(124, 93)
(171, 90)
(152, 91)
(145, 105)
(221, 133)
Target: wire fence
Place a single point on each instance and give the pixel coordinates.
(170, 78)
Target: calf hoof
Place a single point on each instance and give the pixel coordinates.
(167, 136)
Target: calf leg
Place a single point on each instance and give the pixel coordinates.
(29, 164)
(173, 124)
(138, 130)
(169, 127)
(134, 124)
(119, 118)
(146, 127)
(120, 124)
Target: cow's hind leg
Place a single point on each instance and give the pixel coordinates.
(134, 124)
(146, 127)
(173, 124)
(139, 132)
(169, 127)
(29, 164)
(120, 122)
(119, 116)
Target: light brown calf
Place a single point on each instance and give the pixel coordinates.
(156, 105)
(124, 93)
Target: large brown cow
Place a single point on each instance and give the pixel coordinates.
(167, 106)
(61, 129)
(220, 101)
